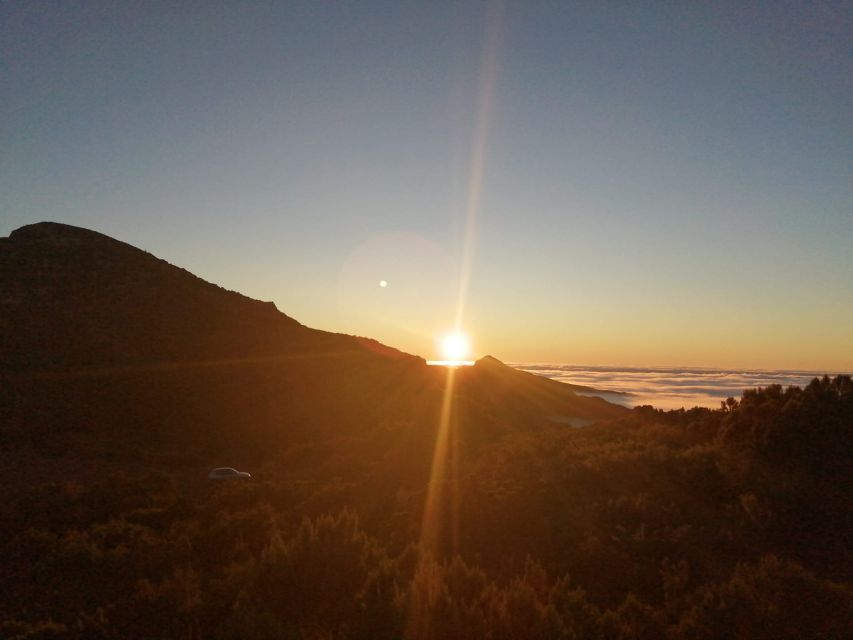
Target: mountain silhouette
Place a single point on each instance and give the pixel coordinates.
(75, 298)
(101, 340)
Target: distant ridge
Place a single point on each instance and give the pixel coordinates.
(520, 394)
(490, 362)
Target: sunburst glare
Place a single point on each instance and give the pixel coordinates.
(455, 349)
(456, 346)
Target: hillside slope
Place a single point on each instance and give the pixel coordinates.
(99, 337)
(74, 298)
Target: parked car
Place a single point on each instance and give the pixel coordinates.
(227, 473)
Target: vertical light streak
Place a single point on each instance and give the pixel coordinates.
(446, 451)
(418, 622)
(453, 486)
(485, 104)
(431, 523)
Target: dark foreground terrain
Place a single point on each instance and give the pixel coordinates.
(389, 499)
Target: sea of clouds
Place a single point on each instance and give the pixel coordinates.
(668, 387)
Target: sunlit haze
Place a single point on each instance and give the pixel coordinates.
(634, 184)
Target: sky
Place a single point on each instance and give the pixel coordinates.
(630, 183)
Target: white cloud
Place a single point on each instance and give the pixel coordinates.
(668, 388)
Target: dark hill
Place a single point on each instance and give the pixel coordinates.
(99, 337)
(116, 361)
(73, 298)
(520, 394)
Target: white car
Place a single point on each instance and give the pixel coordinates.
(227, 473)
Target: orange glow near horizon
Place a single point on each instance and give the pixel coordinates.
(451, 363)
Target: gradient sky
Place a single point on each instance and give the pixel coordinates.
(623, 183)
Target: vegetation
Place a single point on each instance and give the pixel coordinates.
(389, 499)
(732, 523)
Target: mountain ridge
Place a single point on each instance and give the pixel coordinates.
(64, 285)
(45, 266)
(90, 325)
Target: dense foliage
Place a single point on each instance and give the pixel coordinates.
(734, 523)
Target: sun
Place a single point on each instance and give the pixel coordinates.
(455, 350)
(455, 346)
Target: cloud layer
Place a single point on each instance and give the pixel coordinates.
(668, 387)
